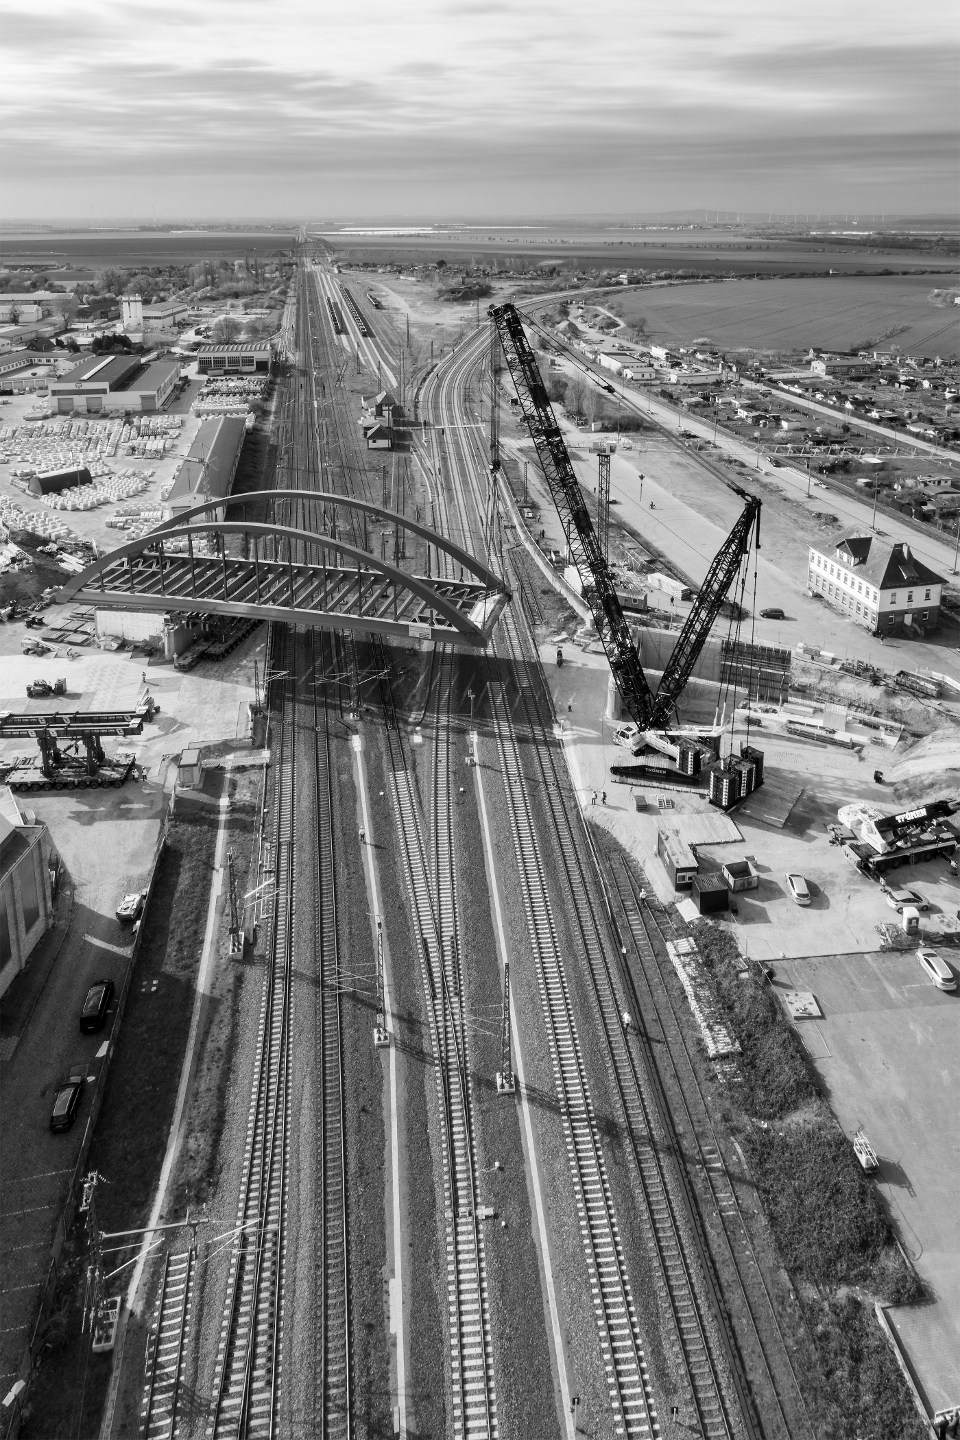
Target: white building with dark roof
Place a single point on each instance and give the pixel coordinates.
(879, 584)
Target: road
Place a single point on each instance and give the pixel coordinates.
(694, 512)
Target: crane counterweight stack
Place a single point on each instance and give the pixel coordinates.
(650, 710)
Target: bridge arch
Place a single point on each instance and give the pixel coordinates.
(161, 571)
(327, 497)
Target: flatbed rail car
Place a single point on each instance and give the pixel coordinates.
(356, 312)
(917, 684)
(940, 846)
(25, 774)
(336, 317)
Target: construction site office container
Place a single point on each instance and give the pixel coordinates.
(678, 859)
(710, 893)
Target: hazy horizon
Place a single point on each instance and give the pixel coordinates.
(132, 112)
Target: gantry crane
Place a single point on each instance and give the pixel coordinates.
(651, 711)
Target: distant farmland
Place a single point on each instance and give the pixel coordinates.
(834, 313)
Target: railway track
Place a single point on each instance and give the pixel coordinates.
(165, 1348)
(246, 1389)
(718, 1413)
(709, 1370)
(433, 902)
(772, 1374)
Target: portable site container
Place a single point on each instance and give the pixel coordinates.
(710, 893)
(678, 859)
(910, 920)
(740, 875)
(189, 772)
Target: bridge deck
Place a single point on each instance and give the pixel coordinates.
(321, 596)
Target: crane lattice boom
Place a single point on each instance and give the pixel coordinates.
(650, 711)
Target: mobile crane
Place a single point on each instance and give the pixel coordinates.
(650, 710)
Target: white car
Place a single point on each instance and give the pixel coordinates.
(900, 897)
(799, 889)
(936, 969)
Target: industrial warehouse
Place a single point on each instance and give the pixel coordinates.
(115, 383)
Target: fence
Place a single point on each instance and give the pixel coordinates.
(32, 1352)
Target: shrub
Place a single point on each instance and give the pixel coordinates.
(829, 1222)
(774, 1065)
(865, 1393)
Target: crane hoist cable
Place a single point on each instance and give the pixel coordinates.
(650, 710)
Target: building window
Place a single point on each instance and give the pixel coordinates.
(890, 619)
(910, 597)
(858, 607)
(926, 594)
(893, 598)
(859, 589)
(926, 614)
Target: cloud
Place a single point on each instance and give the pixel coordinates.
(445, 93)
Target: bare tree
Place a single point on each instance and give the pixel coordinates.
(225, 330)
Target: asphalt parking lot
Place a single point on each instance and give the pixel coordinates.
(887, 1051)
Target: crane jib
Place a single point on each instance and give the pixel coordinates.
(648, 710)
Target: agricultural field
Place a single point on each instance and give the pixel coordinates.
(839, 312)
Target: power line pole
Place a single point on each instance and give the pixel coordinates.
(236, 918)
(381, 1036)
(506, 1080)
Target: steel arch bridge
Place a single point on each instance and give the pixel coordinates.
(286, 573)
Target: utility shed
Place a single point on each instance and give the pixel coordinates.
(740, 875)
(678, 859)
(56, 480)
(710, 893)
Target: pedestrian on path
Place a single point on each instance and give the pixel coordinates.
(143, 676)
(593, 797)
(603, 797)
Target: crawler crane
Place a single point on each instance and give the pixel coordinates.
(651, 710)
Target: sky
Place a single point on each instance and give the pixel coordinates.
(486, 109)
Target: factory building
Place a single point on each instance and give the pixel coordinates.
(115, 383)
(880, 585)
(236, 357)
(26, 888)
(209, 468)
(137, 317)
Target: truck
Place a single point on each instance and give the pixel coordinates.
(885, 842)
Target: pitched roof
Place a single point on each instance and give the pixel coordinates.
(887, 565)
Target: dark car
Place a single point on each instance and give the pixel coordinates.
(96, 1005)
(66, 1100)
(774, 614)
(609, 388)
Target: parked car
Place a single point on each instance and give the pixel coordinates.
(66, 1100)
(131, 905)
(774, 613)
(897, 899)
(799, 890)
(95, 1007)
(936, 969)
